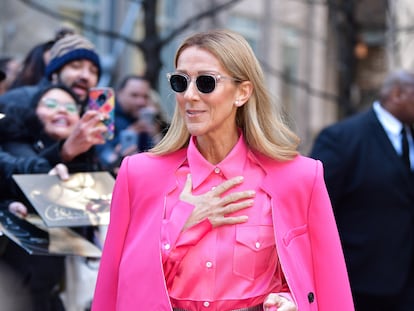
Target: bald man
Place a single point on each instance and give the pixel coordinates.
(372, 193)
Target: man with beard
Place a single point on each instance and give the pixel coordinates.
(73, 62)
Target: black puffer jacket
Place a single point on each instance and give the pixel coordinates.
(26, 149)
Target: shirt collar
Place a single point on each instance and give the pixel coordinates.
(231, 166)
(390, 123)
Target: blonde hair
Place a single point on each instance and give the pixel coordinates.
(261, 122)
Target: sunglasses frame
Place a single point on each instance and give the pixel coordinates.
(217, 77)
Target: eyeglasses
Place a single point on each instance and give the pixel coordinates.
(52, 103)
(206, 83)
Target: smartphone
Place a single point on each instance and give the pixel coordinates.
(127, 140)
(102, 99)
(147, 114)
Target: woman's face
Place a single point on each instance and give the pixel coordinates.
(206, 114)
(58, 112)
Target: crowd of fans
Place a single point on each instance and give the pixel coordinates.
(46, 127)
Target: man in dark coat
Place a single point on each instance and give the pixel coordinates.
(372, 193)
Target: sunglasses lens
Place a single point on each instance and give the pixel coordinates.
(178, 83)
(206, 84)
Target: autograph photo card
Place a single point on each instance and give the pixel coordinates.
(31, 234)
(83, 200)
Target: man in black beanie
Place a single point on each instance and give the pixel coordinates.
(74, 62)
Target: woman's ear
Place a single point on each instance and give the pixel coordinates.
(244, 92)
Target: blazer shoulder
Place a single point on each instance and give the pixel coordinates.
(301, 167)
(305, 167)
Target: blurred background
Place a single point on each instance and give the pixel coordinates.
(323, 59)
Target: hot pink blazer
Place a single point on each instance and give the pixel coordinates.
(131, 276)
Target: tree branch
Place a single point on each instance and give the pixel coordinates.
(59, 16)
(196, 19)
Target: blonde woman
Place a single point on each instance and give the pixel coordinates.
(223, 214)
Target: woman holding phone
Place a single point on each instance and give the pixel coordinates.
(50, 136)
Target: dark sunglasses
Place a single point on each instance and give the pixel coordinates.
(206, 83)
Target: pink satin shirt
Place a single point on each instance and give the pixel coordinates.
(227, 268)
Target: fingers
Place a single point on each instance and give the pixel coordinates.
(235, 207)
(92, 123)
(187, 195)
(236, 196)
(216, 208)
(18, 209)
(228, 184)
(277, 302)
(97, 133)
(286, 306)
(88, 132)
(220, 189)
(272, 301)
(187, 190)
(216, 222)
(61, 170)
(92, 116)
(188, 184)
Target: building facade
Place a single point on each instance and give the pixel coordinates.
(322, 60)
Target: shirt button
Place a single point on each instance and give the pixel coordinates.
(206, 304)
(209, 264)
(217, 170)
(167, 246)
(258, 245)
